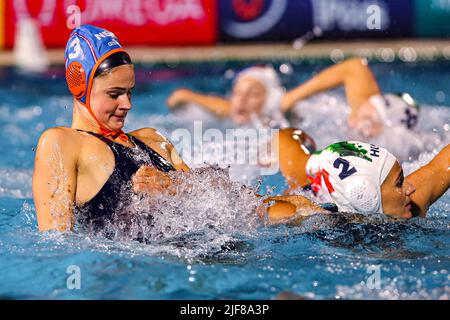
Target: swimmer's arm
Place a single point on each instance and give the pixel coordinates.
(217, 105)
(176, 159)
(292, 158)
(158, 142)
(291, 210)
(354, 74)
(431, 182)
(54, 181)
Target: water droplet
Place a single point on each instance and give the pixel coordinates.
(286, 68)
(337, 55)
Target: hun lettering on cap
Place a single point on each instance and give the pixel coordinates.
(374, 151)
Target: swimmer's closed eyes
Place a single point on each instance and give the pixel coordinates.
(116, 92)
(400, 179)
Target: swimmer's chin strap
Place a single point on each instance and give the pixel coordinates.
(114, 134)
(105, 131)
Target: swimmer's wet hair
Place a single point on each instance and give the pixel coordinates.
(115, 60)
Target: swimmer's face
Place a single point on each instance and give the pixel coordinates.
(367, 121)
(248, 98)
(395, 194)
(111, 96)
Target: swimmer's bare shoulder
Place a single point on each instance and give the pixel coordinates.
(62, 140)
(158, 142)
(55, 176)
(431, 182)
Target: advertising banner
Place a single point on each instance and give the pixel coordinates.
(432, 18)
(2, 23)
(275, 20)
(135, 22)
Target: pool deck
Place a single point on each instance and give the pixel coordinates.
(382, 50)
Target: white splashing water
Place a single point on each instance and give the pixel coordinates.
(211, 204)
(15, 183)
(206, 202)
(323, 117)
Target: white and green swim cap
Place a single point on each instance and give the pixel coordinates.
(398, 109)
(352, 173)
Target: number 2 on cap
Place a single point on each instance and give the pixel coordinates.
(345, 168)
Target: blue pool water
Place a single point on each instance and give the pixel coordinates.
(231, 255)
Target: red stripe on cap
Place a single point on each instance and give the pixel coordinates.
(90, 47)
(326, 178)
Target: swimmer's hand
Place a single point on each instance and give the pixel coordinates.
(178, 98)
(151, 181)
(367, 121)
(291, 209)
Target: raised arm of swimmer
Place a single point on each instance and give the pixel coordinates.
(364, 178)
(217, 105)
(255, 96)
(371, 111)
(353, 74)
(430, 181)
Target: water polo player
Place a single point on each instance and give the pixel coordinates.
(371, 110)
(89, 171)
(360, 177)
(255, 99)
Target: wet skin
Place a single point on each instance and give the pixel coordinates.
(396, 194)
(111, 96)
(399, 195)
(248, 98)
(71, 166)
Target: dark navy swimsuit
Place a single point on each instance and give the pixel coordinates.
(115, 194)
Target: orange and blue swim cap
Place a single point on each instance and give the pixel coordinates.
(87, 48)
(89, 52)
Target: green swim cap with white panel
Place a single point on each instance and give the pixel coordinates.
(351, 173)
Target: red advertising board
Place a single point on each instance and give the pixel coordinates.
(135, 22)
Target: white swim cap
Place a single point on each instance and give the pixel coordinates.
(396, 109)
(352, 173)
(268, 77)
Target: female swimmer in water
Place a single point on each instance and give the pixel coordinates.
(358, 177)
(258, 95)
(255, 98)
(86, 170)
(371, 110)
(88, 173)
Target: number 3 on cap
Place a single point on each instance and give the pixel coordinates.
(76, 49)
(345, 168)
